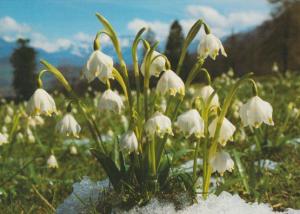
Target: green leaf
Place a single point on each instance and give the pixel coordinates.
(163, 171)
(241, 170)
(189, 38)
(109, 167)
(57, 74)
(187, 181)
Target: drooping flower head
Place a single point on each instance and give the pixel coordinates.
(170, 83)
(3, 139)
(204, 93)
(156, 67)
(226, 132)
(210, 45)
(110, 101)
(159, 125)
(129, 142)
(99, 65)
(190, 123)
(221, 162)
(68, 125)
(41, 103)
(52, 162)
(255, 112)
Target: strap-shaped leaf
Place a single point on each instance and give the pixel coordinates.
(241, 170)
(163, 171)
(189, 38)
(109, 167)
(57, 74)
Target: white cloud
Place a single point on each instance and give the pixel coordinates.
(9, 26)
(11, 30)
(161, 29)
(221, 24)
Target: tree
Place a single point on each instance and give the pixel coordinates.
(23, 62)
(174, 44)
(286, 32)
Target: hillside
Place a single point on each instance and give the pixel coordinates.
(276, 40)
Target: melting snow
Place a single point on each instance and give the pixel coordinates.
(86, 194)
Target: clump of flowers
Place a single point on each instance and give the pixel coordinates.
(142, 167)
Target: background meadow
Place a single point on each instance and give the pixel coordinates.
(261, 37)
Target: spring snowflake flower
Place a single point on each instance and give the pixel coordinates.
(170, 83)
(226, 132)
(110, 101)
(99, 65)
(7, 119)
(20, 136)
(3, 139)
(68, 125)
(35, 121)
(4, 129)
(73, 150)
(204, 93)
(158, 124)
(210, 45)
(31, 138)
(190, 123)
(255, 112)
(157, 66)
(52, 162)
(221, 162)
(41, 103)
(10, 110)
(129, 142)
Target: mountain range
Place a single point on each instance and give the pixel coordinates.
(59, 58)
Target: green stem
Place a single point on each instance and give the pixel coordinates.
(213, 148)
(195, 163)
(189, 38)
(153, 158)
(92, 126)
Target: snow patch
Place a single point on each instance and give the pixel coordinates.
(87, 193)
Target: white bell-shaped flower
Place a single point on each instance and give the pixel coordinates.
(158, 124)
(110, 101)
(10, 110)
(4, 129)
(7, 119)
(190, 123)
(99, 65)
(68, 125)
(221, 162)
(52, 162)
(226, 132)
(156, 67)
(210, 45)
(3, 139)
(20, 136)
(170, 83)
(204, 93)
(73, 150)
(41, 103)
(129, 142)
(255, 112)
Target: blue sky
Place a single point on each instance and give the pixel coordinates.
(55, 25)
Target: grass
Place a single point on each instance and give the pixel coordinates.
(28, 186)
